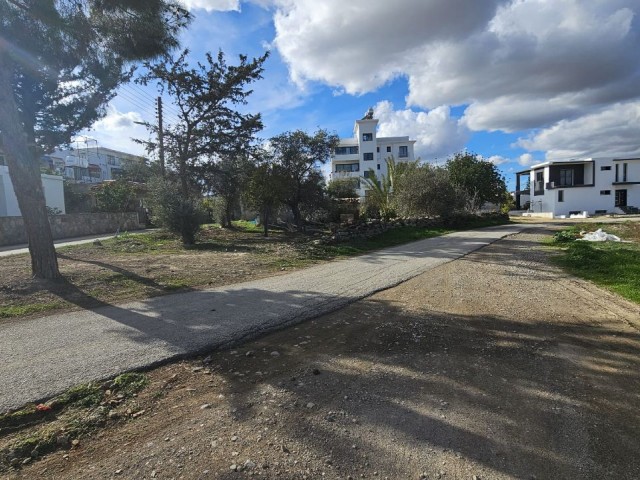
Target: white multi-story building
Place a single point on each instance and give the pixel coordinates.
(89, 164)
(576, 187)
(356, 157)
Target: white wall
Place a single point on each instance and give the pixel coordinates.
(53, 186)
(589, 199)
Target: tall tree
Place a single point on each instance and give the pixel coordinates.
(428, 190)
(60, 62)
(226, 179)
(207, 97)
(300, 154)
(265, 190)
(479, 179)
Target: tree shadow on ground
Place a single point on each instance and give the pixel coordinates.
(513, 399)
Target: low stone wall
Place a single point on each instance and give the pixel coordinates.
(69, 226)
(372, 228)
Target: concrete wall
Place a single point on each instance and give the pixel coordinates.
(69, 226)
(53, 186)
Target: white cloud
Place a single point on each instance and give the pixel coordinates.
(516, 64)
(117, 129)
(613, 131)
(526, 159)
(437, 134)
(497, 159)
(213, 5)
(116, 120)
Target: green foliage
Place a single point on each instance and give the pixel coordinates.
(116, 196)
(69, 56)
(76, 198)
(612, 265)
(565, 236)
(267, 186)
(138, 171)
(130, 383)
(177, 213)
(340, 188)
(380, 193)
(226, 179)
(298, 154)
(427, 191)
(478, 179)
(209, 126)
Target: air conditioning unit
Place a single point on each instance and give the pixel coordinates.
(551, 185)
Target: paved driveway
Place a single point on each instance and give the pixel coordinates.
(44, 356)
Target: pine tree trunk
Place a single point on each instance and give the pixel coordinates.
(266, 221)
(24, 170)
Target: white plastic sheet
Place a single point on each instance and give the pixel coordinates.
(599, 236)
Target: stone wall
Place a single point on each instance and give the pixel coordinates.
(372, 228)
(69, 226)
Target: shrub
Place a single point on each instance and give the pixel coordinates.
(178, 214)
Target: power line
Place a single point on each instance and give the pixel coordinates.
(137, 91)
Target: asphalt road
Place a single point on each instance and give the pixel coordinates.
(42, 357)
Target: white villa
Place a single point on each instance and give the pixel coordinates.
(354, 157)
(580, 187)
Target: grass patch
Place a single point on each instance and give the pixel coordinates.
(34, 431)
(130, 383)
(247, 226)
(612, 265)
(8, 311)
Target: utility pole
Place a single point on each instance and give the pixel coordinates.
(161, 136)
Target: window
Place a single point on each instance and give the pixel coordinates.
(367, 137)
(367, 156)
(404, 151)
(566, 177)
(538, 186)
(617, 171)
(378, 149)
(621, 198)
(624, 172)
(346, 150)
(2, 160)
(369, 174)
(348, 167)
(560, 195)
(389, 149)
(605, 192)
(378, 166)
(606, 167)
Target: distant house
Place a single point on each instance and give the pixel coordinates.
(90, 164)
(588, 186)
(353, 157)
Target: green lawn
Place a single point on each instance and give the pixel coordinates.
(612, 265)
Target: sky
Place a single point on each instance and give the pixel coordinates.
(516, 81)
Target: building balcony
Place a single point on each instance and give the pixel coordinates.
(347, 157)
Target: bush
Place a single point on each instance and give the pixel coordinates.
(174, 212)
(565, 236)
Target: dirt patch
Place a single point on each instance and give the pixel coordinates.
(496, 366)
(142, 266)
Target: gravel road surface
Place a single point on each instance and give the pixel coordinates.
(496, 366)
(44, 356)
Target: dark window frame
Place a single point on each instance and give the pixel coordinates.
(367, 137)
(367, 156)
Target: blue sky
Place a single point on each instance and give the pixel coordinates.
(517, 81)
